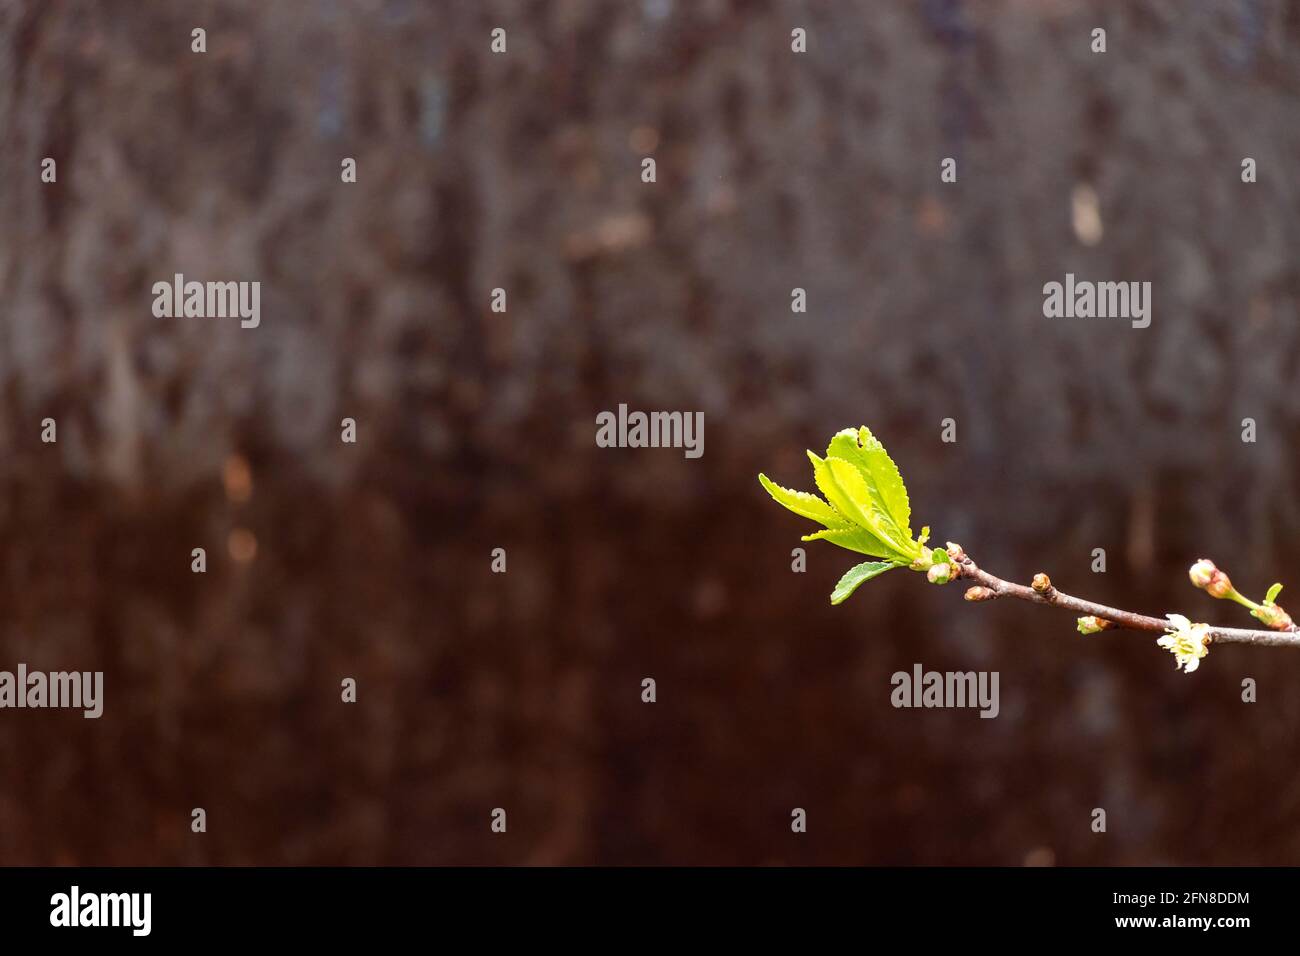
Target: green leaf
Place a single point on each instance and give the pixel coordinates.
(804, 504)
(855, 539)
(939, 556)
(924, 536)
(1272, 594)
(888, 493)
(857, 575)
(847, 490)
(840, 499)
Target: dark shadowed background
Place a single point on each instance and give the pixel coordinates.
(476, 430)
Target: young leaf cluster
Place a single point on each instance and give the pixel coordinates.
(863, 507)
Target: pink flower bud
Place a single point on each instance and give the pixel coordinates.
(1202, 573)
(1205, 575)
(1219, 586)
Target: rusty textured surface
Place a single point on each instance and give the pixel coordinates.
(521, 691)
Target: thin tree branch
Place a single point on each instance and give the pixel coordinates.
(1124, 620)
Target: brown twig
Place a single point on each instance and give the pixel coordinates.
(1120, 619)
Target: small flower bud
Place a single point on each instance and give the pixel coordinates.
(1220, 586)
(1274, 617)
(1091, 624)
(1205, 575)
(978, 593)
(1042, 583)
(954, 550)
(1202, 572)
(940, 573)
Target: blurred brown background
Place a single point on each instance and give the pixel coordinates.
(476, 430)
